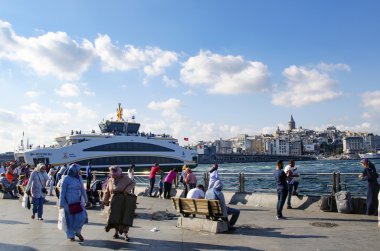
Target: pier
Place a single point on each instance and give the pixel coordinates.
(257, 230)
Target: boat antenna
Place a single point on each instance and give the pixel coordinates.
(119, 112)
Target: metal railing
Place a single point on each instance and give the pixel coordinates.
(309, 183)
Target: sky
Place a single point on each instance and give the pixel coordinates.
(198, 69)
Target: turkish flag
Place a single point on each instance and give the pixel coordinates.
(186, 139)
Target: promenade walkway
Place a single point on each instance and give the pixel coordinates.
(258, 230)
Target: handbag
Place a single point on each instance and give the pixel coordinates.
(75, 208)
(43, 189)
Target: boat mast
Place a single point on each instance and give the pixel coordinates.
(119, 113)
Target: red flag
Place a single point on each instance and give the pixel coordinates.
(186, 139)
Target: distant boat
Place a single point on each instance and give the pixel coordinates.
(370, 155)
(119, 143)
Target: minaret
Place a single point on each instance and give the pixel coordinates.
(291, 123)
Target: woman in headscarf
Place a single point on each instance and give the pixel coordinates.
(72, 192)
(370, 175)
(36, 188)
(118, 183)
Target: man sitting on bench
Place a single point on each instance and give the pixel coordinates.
(8, 187)
(215, 193)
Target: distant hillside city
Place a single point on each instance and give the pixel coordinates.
(294, 141)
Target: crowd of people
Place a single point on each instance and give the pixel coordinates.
(118, 188)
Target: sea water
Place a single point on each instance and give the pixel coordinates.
(315, 176)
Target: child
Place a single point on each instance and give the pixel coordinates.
(161, 186)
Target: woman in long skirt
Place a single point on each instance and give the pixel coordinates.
(72, 191)
(118, 183)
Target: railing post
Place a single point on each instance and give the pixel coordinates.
(338, 178)
(176, 181)
(94, 176)
(241, 183)
(334, 183)
(206, 179)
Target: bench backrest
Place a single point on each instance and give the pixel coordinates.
(198, 206)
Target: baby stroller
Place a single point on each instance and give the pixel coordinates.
(92, 194)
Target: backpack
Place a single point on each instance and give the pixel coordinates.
(343, 202)
(327, 203)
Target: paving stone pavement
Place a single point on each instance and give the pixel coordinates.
(257, 230)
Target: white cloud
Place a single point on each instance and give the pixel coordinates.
(225, 74)
(7, 117)
(167, 108)
(68, 90)
(305, 86)
(32, 94)
(333, 67)
(371, 101)
(152, 60)
(34, 107)
(53, 53)
(169, 82)
(82, 111)
(188, 92)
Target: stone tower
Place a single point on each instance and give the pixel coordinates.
(291, 123)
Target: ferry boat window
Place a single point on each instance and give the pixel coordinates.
(123, 160)
(130, 147)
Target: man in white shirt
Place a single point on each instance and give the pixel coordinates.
(292, 182)
(196, 193)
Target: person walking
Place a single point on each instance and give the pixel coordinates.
(282, 188)
(73, 199)
(172, 175)
(88, 176)
(118, 183)
(36, 188)
(152, 177)
(292, 182)
(51, 183)
(214, 176)
(131, 174)
(370, 175)
(191, 179)
(182, 179)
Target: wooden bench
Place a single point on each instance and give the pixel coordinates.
(210, 208)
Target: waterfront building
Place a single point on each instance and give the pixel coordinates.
(295, 148)
(353, 145)
(371, 143)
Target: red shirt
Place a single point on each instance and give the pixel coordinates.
(153, 171)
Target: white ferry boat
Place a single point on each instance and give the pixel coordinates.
(119, 143)
(370, 155)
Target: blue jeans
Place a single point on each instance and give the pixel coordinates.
(38, 206)
(235, 215)
(281, 195)
(292, 187)
(151, 182)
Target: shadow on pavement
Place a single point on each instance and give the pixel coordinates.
(11, 222)
(4, 246)
(148, 244)
(253, 230)
(334, 219)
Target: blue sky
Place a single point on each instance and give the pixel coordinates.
(198, 69)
